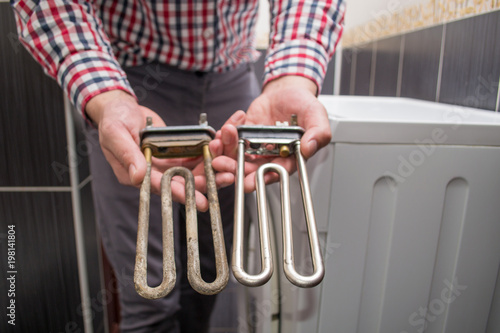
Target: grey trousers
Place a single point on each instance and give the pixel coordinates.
(178, 97)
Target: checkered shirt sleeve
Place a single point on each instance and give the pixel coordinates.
(67, 40)
(304, 35)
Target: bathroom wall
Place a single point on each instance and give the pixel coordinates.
(45, 197)
(454, 62)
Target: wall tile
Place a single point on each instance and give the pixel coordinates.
(259, 66)
(471, 65)
(421, 63)
(363, 69)
(47, 289)
(98, 294)
(328, 83)
(387, 66)
(32, 128)
(345, 72)
(83, 148)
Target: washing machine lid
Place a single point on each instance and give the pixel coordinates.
(392, 120)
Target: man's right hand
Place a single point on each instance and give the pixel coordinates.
(119, 119)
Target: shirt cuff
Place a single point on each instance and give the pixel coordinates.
(84, 75)
(297, 57)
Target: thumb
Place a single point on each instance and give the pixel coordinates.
(123, 154)
(318, 133)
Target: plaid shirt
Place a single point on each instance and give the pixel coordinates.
(84, 44)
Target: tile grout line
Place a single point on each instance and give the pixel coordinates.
(77, 219)
(352, 82)
(440, 68)
(400, 65)
(373, 69)
(35, 189)
(338, 68)
(85, 182)
(44, 188)
(498, 96)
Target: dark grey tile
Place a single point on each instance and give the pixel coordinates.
(259, 66)
(99, 295)
(83, 148)
(32, 127)
(363, 69)
(47, 293)
(471, 65)
(345, 71)
(421, 63)
(387, 67)
(328, 83)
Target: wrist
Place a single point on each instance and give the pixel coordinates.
(291, 81)
(98, 104)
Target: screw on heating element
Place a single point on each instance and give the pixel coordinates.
(285, 140)
(175, 142)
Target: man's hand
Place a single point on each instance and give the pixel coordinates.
(120, 118)
(280, 99)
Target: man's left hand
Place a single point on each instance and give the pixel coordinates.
(280, 99)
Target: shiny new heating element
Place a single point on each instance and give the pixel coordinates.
(281, 140)
(174, 142)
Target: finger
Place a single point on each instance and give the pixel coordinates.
(217, 135)
(221, 180)
(229, 133)
(201, 202)
(270, 176)
(249, 183)
(179, 195)
(117, 142)
(199, 182)
(156, 182)
(200, 178)
(227, 164)
(224, 164)
(177, 186)
(229, 140)
(120, 172)
(318, 133)
(216, 147)
(224, 179)
(163, 164)
(237, 118)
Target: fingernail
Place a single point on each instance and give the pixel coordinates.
(313, 146)
(201, 206)
(226, 139)
(132, 170)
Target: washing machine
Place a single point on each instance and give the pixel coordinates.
(406, 198)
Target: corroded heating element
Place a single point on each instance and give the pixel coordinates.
(281, 141)
(172, 142)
